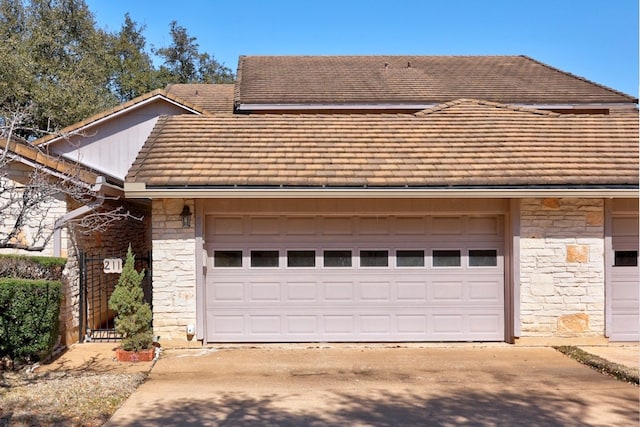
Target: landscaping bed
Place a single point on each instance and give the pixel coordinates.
(606, 367)
(63, 398)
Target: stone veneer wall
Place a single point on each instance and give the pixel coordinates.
(174, 280)
(562, 272)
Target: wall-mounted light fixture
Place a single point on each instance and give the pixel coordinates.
(185, 215)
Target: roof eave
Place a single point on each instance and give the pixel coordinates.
(140, 190)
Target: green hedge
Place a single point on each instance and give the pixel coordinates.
(29, 311)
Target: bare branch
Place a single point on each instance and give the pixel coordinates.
(34, 196)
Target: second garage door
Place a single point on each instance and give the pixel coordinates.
(383, 278)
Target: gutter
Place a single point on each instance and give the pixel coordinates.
(140, 190)
(102, 190)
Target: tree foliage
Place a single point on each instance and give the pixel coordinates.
(183, 63)
(57, 67)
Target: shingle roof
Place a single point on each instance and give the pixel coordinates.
(462, 143)
(347, 80)
(215, 98)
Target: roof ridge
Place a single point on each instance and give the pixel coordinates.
(584, 79)
(460, 101)
(236, 86)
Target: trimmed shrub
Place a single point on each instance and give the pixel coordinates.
(29, 324)
(133, 315)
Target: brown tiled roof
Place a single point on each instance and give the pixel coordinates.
(69, 130)
(461, 143)
(215, 98)
(411, 80)
(21, 150)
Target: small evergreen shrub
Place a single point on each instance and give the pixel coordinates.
(133, 314)
(29, 323)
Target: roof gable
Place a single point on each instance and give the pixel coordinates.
(124, 108)
(410, 80)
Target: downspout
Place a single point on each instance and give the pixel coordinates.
(100, 188)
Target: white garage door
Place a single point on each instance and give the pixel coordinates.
(624, 299)
(297, 279)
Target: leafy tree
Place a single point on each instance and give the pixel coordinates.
(52, 65)
(183, 63)
(133, 71)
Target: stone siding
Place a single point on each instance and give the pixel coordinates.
(562, 273)
(174, 270)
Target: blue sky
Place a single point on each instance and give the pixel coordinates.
(595, 39)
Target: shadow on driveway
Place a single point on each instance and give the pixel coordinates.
(384, 409)
(378, 387)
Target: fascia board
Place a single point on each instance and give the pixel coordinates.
(138, 190)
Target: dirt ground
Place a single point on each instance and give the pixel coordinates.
(359, 386)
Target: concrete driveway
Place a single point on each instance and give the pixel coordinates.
(358, 386)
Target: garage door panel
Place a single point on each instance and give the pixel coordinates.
(411, 324)
(264, 291)
(623, 298)
(335, 324)
(229, 326)
(304, 325)
(411, 292)
(451, 226)
(374, 291)
(306, 301)
(447, 323)
(301, 292)
(485, 291)
(379, 324)
(338, 292)
(229, 291)
(484, 323)
(485, 226)
(447, 291)
(625, 292)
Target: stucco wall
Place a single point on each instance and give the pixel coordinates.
(174, 281)
(562, 277)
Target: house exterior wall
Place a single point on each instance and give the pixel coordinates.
(174, 271)
(561, 263)
(562, 272)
